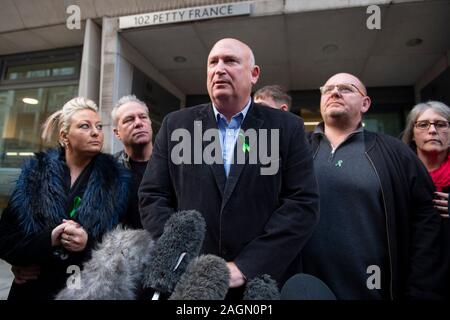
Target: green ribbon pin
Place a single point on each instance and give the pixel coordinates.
(76, 204)
(339, 163)
(245, 145)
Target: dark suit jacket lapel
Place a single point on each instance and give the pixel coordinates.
(251, 121)
(206, 115)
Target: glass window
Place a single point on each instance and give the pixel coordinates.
(41, 70)
(22, 113)
(311, 118)
(387, 122)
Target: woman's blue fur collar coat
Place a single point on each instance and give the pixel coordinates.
(39, 199)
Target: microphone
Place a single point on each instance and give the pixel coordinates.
(206, 278)
(180, 242)
(115, 270)
(262, 288)
(303, 286)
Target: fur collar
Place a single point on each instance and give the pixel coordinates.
(39, 199)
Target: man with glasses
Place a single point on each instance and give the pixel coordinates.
(378, 232)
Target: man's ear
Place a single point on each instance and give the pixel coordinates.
(116, 133)
(366, 104)
(255, 74)
(284, 107)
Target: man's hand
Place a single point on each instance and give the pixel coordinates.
(24, 274)
(237, 279)
(441, 203)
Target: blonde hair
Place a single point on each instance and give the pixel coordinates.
(61, 119)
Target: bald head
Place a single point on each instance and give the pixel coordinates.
(347, 78)
(230, 42)
(343, 101)
(231, 74)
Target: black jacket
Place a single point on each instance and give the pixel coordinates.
(39, 203)
(411, 221)
(260, 222)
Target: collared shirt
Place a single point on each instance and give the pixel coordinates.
(228, 132)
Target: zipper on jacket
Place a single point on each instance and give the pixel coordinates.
(317, 150)
(387, 227)
(333, 150)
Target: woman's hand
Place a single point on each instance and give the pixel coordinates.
(74, 238)
(56, 234)
(441, 203)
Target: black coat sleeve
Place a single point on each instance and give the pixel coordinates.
(293, 222)
(156, 194)
(426, 273)
(18, 248)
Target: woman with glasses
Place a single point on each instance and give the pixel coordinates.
(64, 201)
(427, 133)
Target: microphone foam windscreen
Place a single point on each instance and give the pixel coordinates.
(206, 278)
(183, 233)
(303, 286)
(262, 288)
(115, 270)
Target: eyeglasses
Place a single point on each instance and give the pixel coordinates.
(440, 125)
(344, 88)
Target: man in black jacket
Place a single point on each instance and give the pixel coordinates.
(133, 127)
(378, 233)
(257, 220)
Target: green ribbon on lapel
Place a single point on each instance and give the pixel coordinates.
(245, 145)
(76, 205)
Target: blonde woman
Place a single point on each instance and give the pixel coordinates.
(64, 201)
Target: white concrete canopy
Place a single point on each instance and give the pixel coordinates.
(301, 50)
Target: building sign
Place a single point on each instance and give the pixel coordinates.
(184, 15)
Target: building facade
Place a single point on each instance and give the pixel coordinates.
(52, 50)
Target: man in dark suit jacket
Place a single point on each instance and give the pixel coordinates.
(257, 220)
